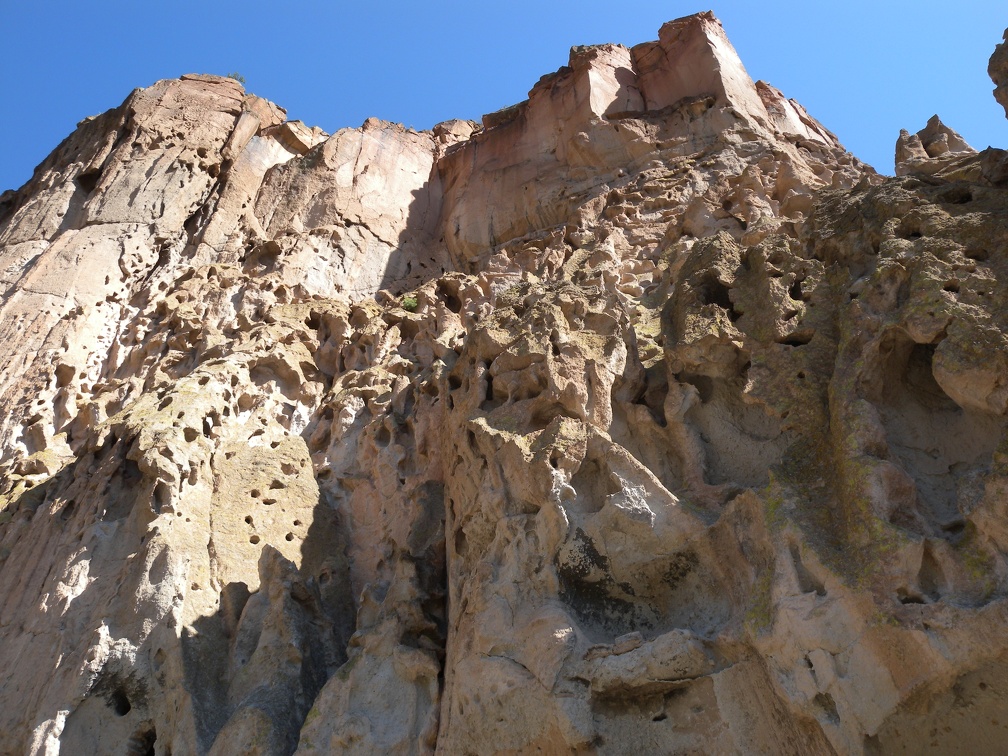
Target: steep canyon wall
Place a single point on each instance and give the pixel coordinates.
(640, 418)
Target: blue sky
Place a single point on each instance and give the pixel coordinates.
(865, 69)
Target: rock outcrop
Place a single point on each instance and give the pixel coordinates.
(998, 70)
(641, 417)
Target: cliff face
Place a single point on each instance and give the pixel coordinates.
(640, 418)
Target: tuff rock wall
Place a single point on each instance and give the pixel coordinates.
(639, 418)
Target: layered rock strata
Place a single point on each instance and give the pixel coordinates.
(640, 418)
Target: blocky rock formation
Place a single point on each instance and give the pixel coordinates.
(640, 418)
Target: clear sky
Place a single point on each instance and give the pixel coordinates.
(865, 69)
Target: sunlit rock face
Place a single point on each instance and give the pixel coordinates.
(639, 418)
(998, 70)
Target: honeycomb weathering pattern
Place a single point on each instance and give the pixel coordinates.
(641, 417)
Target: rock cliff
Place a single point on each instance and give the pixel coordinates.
(639, 418)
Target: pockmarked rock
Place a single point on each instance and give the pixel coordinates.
(639, 417)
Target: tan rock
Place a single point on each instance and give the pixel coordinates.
(934, 148)
(642, 418)
(998, 70)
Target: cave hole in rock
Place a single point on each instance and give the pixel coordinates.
(162, 496)
(654, 392)
(702, 383)
(64, 374)
(977, 253)
(119, 702)
(88, 180)
(460, 543)
(825, 703)
(408, 329)
(593, 483)
(714, 292)
(909, 596)
(795, 291)
(946, 449)
(449, 296)
(141, 742)
(954, 528)
(956, 195)
(798, 338)
(489, 401)
(612, 593)
(131, 472)
(909, 229)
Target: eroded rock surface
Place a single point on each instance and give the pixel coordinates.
(640, 418)
(998, 70)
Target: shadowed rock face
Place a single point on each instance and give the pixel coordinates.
(640, 418)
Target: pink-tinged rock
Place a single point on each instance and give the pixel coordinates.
(599, 428)
(693, 58)
(605, 81)
(296, 136)
(790, 117)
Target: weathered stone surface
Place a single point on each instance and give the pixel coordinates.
(998, 70)
(642, 418)
(934, 148)
(684, 102)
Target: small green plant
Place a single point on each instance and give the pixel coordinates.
(409, 304)
(237, 77)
